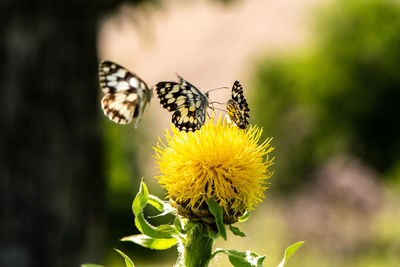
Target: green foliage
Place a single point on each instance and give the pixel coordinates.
(121, 158)
(216, 211)
(190, 234)
(140, 201)
(121, 167)
(149, 242)
(236, 231)
(252, 259)
(338, 97)
(290, 251)
(128, 262)
(244, 217)
(242, 259)
(195, 240)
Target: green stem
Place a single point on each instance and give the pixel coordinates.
(198, 248)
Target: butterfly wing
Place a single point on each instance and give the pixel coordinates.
(232, 108)
(126, 95)
(189, 119)
(169, 94)
(187, 102)
(237, 107)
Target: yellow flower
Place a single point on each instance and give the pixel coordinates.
(219, 161)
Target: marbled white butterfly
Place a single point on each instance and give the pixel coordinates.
(126, 95)
(187, 102)
(237, 107)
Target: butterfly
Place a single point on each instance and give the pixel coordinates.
(126, 95)
(237, 107)
(188, 104)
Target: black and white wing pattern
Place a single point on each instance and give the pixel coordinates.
(187, 102)
(237, 107)
(126, 95)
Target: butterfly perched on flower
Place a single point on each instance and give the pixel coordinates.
(126, 95)
(188, 104)
(237, 107)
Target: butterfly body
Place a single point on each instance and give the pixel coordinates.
(237, 107)
(187, 102)
(126, 96)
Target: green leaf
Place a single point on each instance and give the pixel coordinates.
(162, 206)
(91, 265)
(178, 226)
(244, 217)
(140, 201)
(242, 259)
(141, 198)
(236, 231)
(128, 262)
(156, 202)
(152, 243)
(289, 252)
(162, 231)
(216, 211)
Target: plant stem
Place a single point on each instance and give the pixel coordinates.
(198, 248)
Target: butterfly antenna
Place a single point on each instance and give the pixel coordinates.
(216, 102)
(219, 88)
(212, 104)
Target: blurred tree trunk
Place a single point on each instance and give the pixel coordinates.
(51, 182)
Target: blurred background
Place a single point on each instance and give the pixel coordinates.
(321, 77)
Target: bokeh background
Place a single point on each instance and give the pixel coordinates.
(321, 77)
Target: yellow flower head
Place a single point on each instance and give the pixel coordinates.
(219, 161)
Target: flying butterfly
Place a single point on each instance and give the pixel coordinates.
(188, 104)
(126, 95)
(237, 107)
